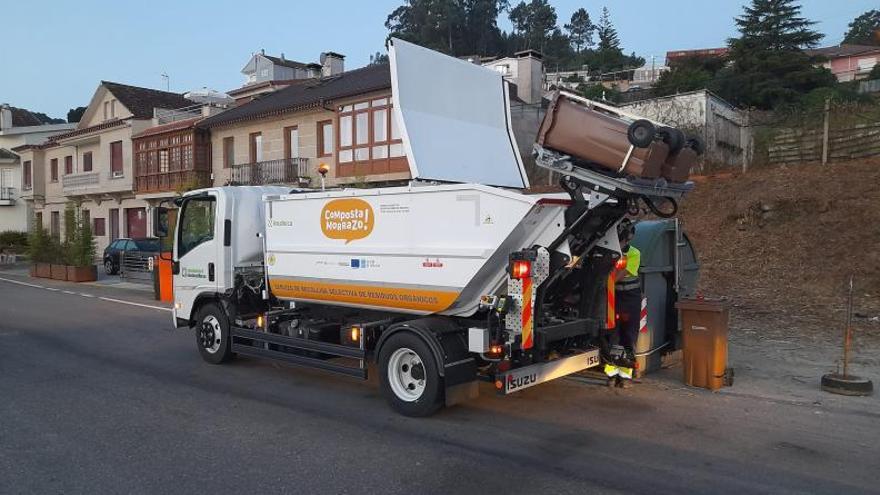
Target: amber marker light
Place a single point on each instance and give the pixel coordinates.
(521, 269)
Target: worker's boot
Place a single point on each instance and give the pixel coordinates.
(629, 358)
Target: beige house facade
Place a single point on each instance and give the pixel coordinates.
(92, 167)
(344, 123)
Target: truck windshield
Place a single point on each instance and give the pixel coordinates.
(196, 225)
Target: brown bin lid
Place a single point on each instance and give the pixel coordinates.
(712, 305)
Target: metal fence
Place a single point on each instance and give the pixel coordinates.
(284, 171)
(137, 266)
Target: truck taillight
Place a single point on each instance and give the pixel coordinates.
(521, 269)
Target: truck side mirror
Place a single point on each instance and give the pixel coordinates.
(160, 221)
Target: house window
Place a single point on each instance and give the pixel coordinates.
(86, 218)
(256, 147)
(68, 165)
(325, 138)
(27, 178)
(369, 139)
(114, 224)
(99, 227)
(106, 110)
(112, 109)
(116, 158)
(163, 161)
(53, 170)
(291, 142)
(228, 152)
(55, 225)
(87, 161)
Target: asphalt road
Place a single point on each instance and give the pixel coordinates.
(97, 396)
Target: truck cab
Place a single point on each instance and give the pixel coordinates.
(218, 230)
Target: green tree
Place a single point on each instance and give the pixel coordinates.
(378, 58)
(768, 64)
(456, 27)
(534, 22)
(75, 114)
(609, 41)
(688, 75)
(598, 92)
(38, 244)
(864, 29)
(580, 29)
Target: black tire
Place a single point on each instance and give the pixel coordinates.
(213, 350)
(847, 385)
(641, 133)
(673, 138)
(431, 398)
(697, 145)
(109, 269)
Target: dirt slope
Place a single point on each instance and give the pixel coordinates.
(782, 242)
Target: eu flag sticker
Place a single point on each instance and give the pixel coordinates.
(355, 263)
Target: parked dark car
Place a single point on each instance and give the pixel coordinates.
(147, 246)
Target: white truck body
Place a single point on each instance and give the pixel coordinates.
(416, 249)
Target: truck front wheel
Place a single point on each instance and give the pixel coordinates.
(212, 334)
(410, 380)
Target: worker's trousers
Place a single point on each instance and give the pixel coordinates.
(629, 309)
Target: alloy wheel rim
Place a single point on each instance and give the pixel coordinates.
(406, 374)
(210, 334)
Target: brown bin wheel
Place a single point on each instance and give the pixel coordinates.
(641, 133)
(728, 377)
(696, 144)
(673, 138)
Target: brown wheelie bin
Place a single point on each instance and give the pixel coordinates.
(677, 167)
(599, 138)
(704, 349)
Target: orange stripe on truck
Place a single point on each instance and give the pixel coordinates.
(527, 321)
(423, 300)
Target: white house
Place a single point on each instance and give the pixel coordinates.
(18, 127)
(264, 73)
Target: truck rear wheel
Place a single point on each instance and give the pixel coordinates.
(212, 334)
(408, 374)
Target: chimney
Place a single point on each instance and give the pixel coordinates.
(332, 63)
(262, 51)
(529, 73)
(282, 56)
(5, 116)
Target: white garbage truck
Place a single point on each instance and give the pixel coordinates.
(454, 278)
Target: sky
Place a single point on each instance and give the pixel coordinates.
(53, 54)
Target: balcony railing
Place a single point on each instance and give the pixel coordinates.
(179, 180)
(284, 171)
(7, 196)
(79, 182)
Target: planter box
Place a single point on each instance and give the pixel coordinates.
(59, 272)
(82, 273)
(42, 270)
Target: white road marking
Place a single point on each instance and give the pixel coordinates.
(120, 301)
(21, 283)
(83, 294)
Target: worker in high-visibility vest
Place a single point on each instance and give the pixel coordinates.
(627, 304)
